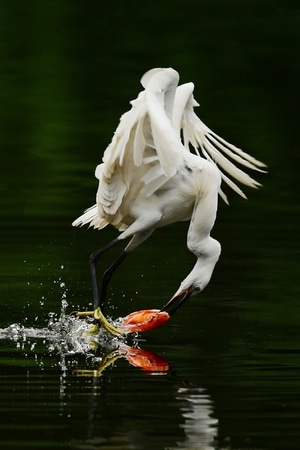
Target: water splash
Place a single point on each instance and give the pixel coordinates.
(64, 334)
(69, 335)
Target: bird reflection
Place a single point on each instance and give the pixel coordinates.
(197, 421)
(200, 427)
(125, 409)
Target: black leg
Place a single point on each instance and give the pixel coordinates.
(100, 300)
(136, 240)
(93, 266)
(107, 276)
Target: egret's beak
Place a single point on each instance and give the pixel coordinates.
(178, 299)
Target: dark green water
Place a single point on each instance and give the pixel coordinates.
(232, 355)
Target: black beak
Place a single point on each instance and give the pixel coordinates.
(177, 301)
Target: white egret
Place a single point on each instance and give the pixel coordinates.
(162, 166)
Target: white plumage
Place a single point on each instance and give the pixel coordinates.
(165, 165)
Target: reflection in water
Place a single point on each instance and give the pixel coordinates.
(70, 336)
(196, 409)
(137, 357)
(199, 426)
(197, 421)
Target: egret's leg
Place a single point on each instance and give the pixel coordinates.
(99, 301)
(97, 313)
(107, 276)
(135, 241)
(93, 266)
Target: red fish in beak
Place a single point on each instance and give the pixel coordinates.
(144, 320)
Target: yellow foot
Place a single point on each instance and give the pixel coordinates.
(110, 328)
(107, 360)
(98, 315)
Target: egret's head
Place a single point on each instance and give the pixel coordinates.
(180, 297)
(194, 283)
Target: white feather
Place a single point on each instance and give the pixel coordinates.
(165, 165)
(147, 150)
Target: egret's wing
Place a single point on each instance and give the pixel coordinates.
(145, 150)
(121, 160)
(144, 138)
(114, 172)
(160, 92)
(216, 149)
(90, 216)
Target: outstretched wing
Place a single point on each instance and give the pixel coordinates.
(213, 147)
(147, 149)
(144, 153)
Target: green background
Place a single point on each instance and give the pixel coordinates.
(68, 70)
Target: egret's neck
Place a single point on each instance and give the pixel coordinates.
(205, 264)
(205, 248)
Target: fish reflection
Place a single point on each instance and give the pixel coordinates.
(148, 361)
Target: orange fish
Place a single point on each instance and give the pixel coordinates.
(144, 320)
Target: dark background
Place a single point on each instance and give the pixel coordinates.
(68, 70)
